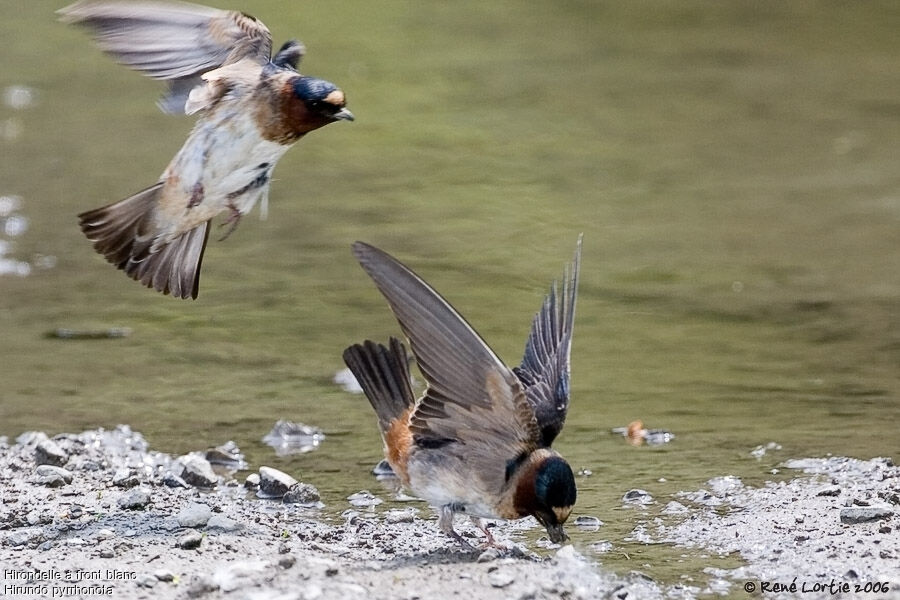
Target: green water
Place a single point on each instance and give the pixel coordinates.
(733, 167)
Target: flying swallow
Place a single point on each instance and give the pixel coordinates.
(478, 441)
(253, 106)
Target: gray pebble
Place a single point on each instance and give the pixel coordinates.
(124, 478)
(223, 523)
(194, 515)
(364, 498)
(164, 575)
(20, 537)
(500, 579)
(274, 483)
(863, 514)
(201, 586)
(488, 555)
(107, 553)
(48, 452)
(174, 481)
(587, 523)
(831, 491)
(45, 470)
(198, 472)
(287, 561)
(252, 481)
(404, 515)
(146, 581)
(301, 493)
(189, 541)
(136, 499)
(638, 497)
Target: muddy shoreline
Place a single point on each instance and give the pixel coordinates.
(99, 514)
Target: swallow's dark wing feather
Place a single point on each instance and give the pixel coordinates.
(545, 368)
(472, 397)
(172, 41)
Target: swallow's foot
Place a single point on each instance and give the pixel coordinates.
(233, 219)
(489, 541)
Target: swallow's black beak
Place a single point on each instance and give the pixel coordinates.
(343, 115)
(557, 533)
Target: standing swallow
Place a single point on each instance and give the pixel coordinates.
(478, 441)
(253, 108)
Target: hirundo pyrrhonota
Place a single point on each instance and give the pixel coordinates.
(478, 441)
(253, 107)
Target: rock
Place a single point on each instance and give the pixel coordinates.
(48, 452)
(287, 561)
(105, 534)
(637, 497)
(189, 541)
(831, 491)
(725, 485)
(136, 499)
(675, 508)
(601, 547)
(488, 555)
(125, 478)
(301, 493)
(252, 481)
(164, 575)
(383, 469)
(52, 476)
(194, 515)
(274, 483)
(21, 537)
(864, 514)
(293, 438)
(228, 455)
(400, 515)
(223, 523)
(364, 498)
(201, 586)
(145, 581)
(500, 579)
(198, 472)
(174, 481)
(586, 523)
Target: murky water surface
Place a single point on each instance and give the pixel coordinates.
(733, 167)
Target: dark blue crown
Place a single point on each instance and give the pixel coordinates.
(555, 483)
(312, 89)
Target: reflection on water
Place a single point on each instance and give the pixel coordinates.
(14, 224)
(732, 167)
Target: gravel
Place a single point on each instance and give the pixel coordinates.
(157, 541)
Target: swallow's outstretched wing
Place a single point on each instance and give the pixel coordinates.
(544, 371)
(472, 399)
(172, 41)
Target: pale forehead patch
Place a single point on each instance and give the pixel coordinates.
(562, 513)
(336, 97)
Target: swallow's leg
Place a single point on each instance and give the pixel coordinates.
(445, 522)
(233, 219)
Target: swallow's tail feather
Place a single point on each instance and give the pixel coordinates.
(383, 374)
(122, 232)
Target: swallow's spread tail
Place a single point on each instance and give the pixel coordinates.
(383, 374)
(119, 232)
